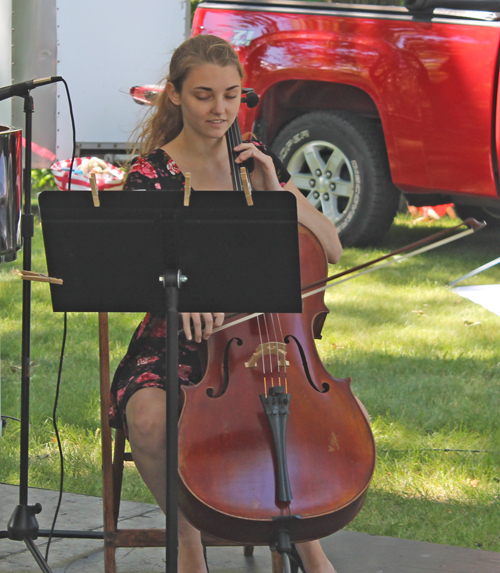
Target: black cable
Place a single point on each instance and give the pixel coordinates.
(74, 133)
(59, 445)
(387, 450)
(4, 418)
(457, 450)
(11, 418)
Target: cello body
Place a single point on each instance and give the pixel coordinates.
(228, 465)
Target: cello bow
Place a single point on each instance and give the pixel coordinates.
(399, 255)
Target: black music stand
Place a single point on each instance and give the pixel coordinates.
(114, 258)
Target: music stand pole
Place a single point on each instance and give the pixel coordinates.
(172, 282)
(23, 525)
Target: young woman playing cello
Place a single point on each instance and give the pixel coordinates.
(186, 134)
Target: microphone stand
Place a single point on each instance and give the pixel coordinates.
(23, 525)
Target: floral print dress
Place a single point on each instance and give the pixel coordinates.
(143, 365)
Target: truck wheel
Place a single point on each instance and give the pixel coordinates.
(489, 214)
(338, 161)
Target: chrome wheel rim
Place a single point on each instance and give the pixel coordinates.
(325, 176)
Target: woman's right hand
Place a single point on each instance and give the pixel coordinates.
(201, 323)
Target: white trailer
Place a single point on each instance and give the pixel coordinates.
(101, 48)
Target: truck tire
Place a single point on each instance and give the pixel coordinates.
(489, 214)
(339, 162)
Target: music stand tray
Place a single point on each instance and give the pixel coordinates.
(236, 258)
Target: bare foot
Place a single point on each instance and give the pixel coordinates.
(191, 558)
(314, 558)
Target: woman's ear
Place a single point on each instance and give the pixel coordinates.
(172, 94)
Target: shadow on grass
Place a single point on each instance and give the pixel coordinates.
(425, 393)
(393, 515)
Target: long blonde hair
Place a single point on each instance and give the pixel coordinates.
(164, 123)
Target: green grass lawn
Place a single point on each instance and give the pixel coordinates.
(424, 361)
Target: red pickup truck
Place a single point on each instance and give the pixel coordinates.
(363, 102)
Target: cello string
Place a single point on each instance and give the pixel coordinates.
(263, 361)
(280, 329)
(285, 353)
(233, 138)
(277, 349)
(230, 148)
(269, 350)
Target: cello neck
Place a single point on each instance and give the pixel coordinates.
(233, 138)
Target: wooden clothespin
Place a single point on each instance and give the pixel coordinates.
(246, 186)
(187, 189)
(39, 277)
(95, 190)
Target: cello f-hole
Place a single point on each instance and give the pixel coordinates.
(225, 378)
(324, 385)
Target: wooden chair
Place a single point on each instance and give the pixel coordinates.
(112, 470)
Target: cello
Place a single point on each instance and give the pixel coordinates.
(272, 448)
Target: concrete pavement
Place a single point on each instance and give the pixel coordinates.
(350, 552)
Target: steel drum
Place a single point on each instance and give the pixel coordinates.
(10, 192)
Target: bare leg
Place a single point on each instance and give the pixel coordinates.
(363, 409)
(314, 558)
(146, 423)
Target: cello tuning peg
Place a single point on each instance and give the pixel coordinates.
(250, 97)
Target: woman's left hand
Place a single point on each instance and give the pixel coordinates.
(263, 176)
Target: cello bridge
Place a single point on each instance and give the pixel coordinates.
(269, 348)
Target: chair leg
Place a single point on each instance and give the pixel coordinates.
(109, 559)
(248, 550)
(118, 458)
